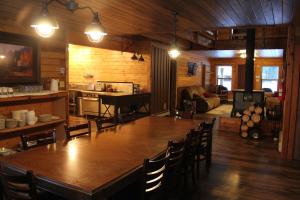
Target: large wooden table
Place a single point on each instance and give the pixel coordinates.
(94, 167)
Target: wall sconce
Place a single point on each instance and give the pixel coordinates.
(134, 57)
(45, 25)
(141, 59)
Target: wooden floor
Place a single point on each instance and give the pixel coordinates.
(246, 170)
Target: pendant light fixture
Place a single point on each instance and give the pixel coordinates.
(95, 31)
(45, 25)
(174, 51)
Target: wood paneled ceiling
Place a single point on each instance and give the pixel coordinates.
(153, 18)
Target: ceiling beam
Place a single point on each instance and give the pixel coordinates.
(275, 43)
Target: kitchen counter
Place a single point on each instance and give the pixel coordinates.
(115, 101)
(102, 93)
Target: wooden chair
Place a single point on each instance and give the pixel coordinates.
(18, 186)
(174, 166)
(23, 186)
(154, 172)
(204, 148)
(77, 130)
(190, 146)
(38, 139)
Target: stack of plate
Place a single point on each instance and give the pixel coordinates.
(2, 123)
(11, 123)
(45, 118)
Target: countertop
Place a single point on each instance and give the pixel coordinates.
(107, 93)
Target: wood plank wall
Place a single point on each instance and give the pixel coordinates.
(107, 65)
(234, 62)
(183, 79)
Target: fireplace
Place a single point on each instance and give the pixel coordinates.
(242, 99)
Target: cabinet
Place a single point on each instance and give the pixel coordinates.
(43, 103)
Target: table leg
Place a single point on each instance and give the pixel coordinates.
(116, 113)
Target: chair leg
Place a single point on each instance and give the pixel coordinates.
(193, 174)
(198, 167)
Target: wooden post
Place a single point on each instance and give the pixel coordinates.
(249, 71)
(173, 92)
(290, 133)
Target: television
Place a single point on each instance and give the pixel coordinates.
(192, 68)
(19, 59)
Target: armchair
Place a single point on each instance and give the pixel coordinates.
(222, 93)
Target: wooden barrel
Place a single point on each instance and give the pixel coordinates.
(244, 134)
(245, 118)
(247, 112)
(244, 127)
(258, 110)
(252, 108)
(250, 123)
(255, 118)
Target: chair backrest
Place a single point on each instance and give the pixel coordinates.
(176, 153)
(192, 141)
(154, 176)
(38, 139)
(77, 130)
(18, 186)
(207, 126)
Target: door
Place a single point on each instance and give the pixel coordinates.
(160, 80)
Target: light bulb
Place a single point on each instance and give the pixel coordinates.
(95, 31)
(95, 36)
(243, 55)
(174, 53)
(44, 26)
(45, 30)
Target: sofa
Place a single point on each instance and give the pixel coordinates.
(197, 99)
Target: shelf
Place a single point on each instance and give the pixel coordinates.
(33, 96)
(39, 124)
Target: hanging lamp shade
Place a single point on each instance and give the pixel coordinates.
(44, 24)
(95, 31)
(174, 52)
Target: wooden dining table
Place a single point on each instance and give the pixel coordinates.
(103, 163)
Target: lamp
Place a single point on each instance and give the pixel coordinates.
(95, 31)
(134, 57)
(45, 26)
(174, 52)
(141, 59)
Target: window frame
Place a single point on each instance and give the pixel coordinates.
(217, 77)
(269, 79)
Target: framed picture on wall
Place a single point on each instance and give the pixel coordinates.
(19, 59)
(192, 68)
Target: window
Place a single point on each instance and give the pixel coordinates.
(224, 76)
(269, 77)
